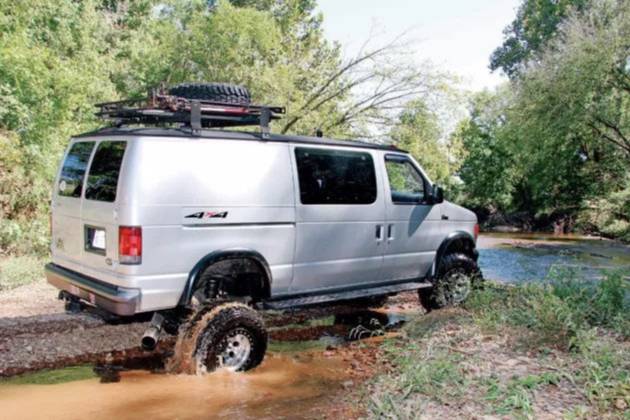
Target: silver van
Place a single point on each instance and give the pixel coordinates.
(204, 225)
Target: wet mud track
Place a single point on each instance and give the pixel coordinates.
(58, 340)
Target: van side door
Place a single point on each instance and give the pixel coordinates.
(412, 221)
(339, 218)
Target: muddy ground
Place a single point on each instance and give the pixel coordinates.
(36, 333)
(323, 355)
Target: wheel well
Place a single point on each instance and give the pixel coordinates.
(237, 273)
(457, 242)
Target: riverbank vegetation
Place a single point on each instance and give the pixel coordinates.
(556, 349)
(552, 147)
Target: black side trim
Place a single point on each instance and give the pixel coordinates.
(341, 296)
(217, 256)
(345, 289)
(453, 237)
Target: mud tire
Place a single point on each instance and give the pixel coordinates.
(458, 275)
(215, 92)
(203, 340)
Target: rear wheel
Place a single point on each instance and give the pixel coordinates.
(228, 335)
(457, 277)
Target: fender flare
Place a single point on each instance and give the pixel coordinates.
(444, 247)
(217, 256)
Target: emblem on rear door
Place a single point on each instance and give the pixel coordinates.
(59, 243)
(207, 215)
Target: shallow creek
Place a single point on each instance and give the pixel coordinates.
(282, 386)
(514, 257)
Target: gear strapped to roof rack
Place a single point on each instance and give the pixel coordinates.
(161, 108)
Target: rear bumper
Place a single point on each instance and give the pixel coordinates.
(115, 299)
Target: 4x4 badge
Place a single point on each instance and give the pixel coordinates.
(207, 215)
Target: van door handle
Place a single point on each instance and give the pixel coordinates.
(390, 232)
(379, 233)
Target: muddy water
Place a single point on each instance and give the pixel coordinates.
(513, 257)
(286, 386)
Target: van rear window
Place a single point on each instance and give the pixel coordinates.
(102, 181)
(73, 169)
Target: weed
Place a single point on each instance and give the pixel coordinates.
(17, 271)
(52, 376)
(576, 332)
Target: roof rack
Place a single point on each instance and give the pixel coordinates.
(160, 108)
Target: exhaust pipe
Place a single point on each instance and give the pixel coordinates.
(152, 334)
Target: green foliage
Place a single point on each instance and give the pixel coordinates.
(17, 271)
(488, 168)
(555, 142)
(536, 22)
(418, 131)
(61, 57)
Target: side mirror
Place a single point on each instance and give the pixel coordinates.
(437, 195)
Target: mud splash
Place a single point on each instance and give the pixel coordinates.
(283, 386)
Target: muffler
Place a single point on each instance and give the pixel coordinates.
(152, 334)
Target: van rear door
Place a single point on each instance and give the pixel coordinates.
(99, 211)
(67, 239)
(85, 229)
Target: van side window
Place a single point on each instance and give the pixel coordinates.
(73, 170)
(335, 176)
(405, 183)
(102, 180)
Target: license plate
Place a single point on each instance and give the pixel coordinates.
(98, 239)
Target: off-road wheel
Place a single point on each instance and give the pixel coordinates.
(458, 275)
(228, 335)
(215, 92)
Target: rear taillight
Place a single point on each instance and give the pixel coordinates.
(130, 244)
(476, 232)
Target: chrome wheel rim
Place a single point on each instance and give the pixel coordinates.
(237, 347)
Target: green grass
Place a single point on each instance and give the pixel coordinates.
(52, 376)
(516, 395)
(558, 310)
(573, 333)
(20, 270)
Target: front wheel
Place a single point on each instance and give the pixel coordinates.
(457, 276)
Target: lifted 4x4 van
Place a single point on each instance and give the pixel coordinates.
(201, 225)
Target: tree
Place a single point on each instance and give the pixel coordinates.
(60, 57)
(55, 64)
(535, 24)
(418, 131)
(488, 168)
(572, 111)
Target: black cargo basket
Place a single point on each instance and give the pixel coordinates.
(160, 108)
